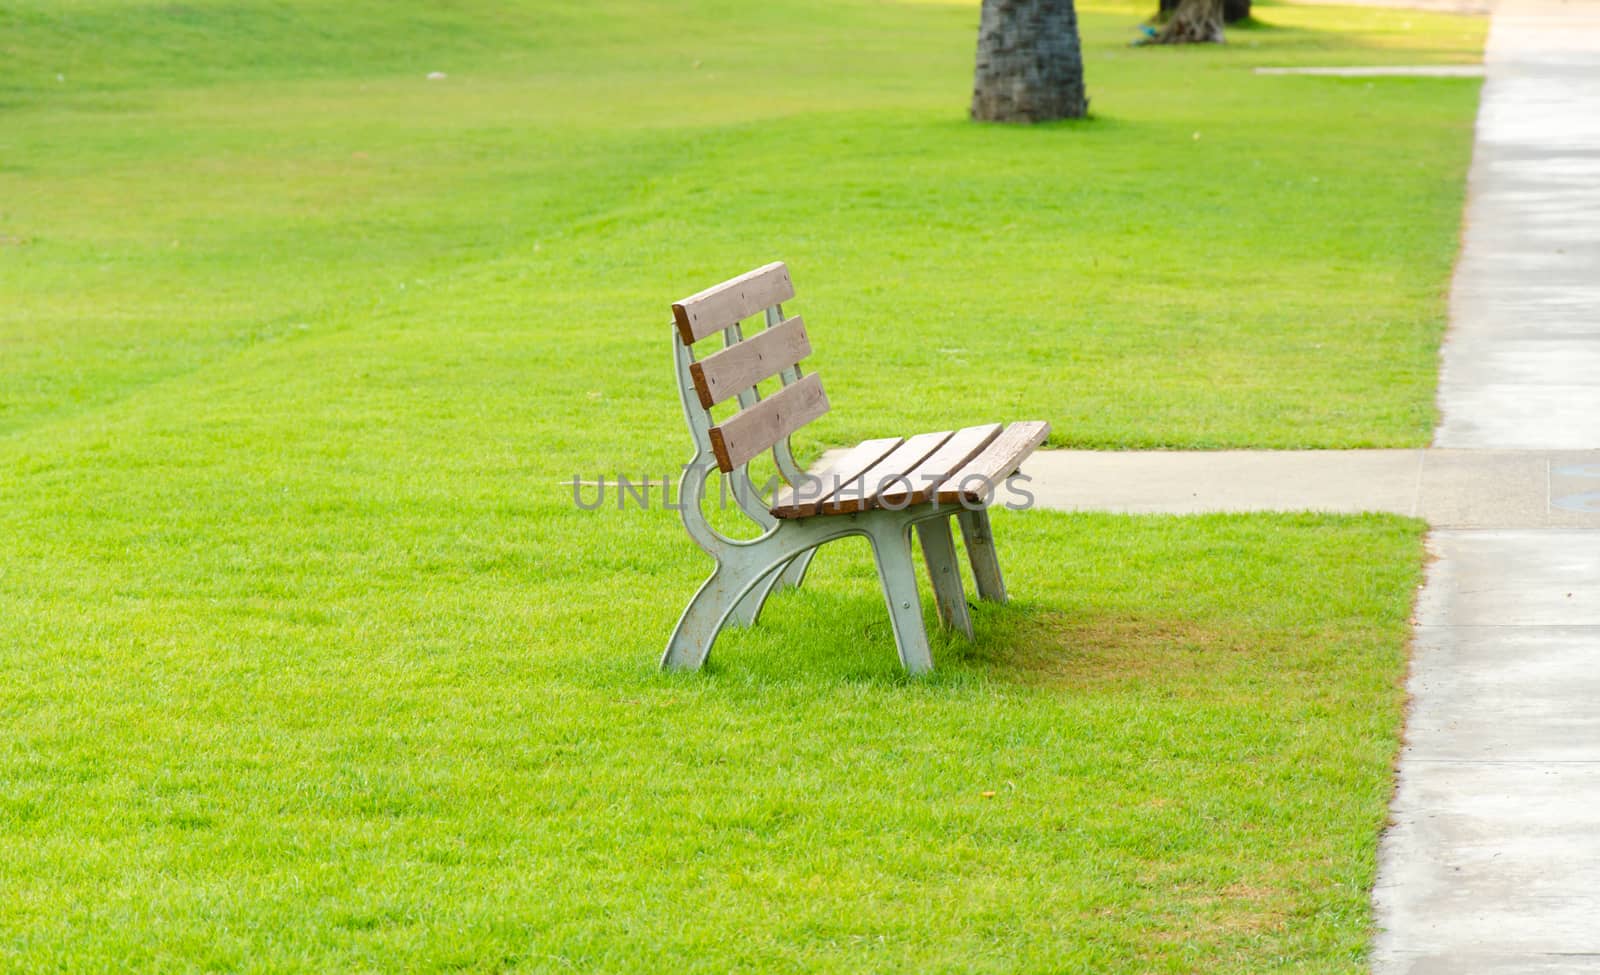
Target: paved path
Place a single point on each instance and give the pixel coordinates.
(1492, 863)
(1449, 488)
(1520, 365)
(1385, 71)
(1435, 6)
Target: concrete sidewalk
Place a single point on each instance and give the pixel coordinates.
(1432, 6)
(1521, 367)
(1492, 863)
(1449, 488)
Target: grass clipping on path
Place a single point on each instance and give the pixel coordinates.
(307, 661)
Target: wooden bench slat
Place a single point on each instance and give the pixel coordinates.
(805, 499)
(996, 462)
(939, 465)
(732, 301)
(859, 495)
(747, 433)
(721, 375)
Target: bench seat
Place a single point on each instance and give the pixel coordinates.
(960, 467)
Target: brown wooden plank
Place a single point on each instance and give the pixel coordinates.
(996, 462)
(859, 495)
(823, 480)
(721, 375)
(749, 432)
(719, 306)
(938, 466)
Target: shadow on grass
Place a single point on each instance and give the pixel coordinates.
(832, 634)
(1025, 643)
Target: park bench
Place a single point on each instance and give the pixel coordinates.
(882, 489)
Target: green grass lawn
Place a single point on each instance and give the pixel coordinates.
(308, 662)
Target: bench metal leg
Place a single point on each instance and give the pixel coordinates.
(939, 552)
(787, 576)
(891, 548)
(748, 609)
(980, 551)
(746, 572)
(796, 571)
(697, 628)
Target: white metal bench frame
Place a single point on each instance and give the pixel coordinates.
(748, 571)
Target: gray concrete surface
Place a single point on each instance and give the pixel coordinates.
(1520, 363)
(1449, 488)
(1492, 860)
(1387, 71)
(1432, 6)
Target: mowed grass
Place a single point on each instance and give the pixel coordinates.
(1219, 259)
(308, 661)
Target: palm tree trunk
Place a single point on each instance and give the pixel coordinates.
(1233, 11)
(1030, 65)
(1194, 22)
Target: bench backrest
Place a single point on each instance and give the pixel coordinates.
(733, 371)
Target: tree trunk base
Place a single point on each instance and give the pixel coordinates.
(1233, 11)
(1030, 64)
(1194, 22)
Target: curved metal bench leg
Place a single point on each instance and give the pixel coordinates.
(795, 572)
(891, 548)
(744, 575)
(939, 552)
(784, 577)
(980, 551)
(701, 621)
(748, 609)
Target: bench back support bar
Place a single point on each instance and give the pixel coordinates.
(737, 368)
(732, 301)
(729, 372)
